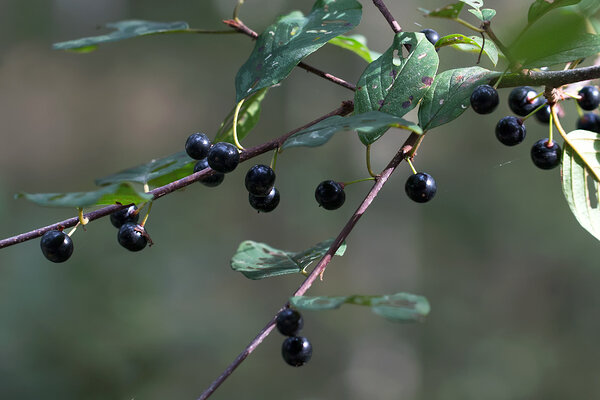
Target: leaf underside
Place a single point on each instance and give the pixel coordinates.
(471, 44)
(356, 44)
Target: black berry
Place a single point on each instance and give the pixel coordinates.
(523, 100)
(543, 114)
(590, 98)
(223, 157)
(197, 146)
(260, 180)
(510, 130)
(431, 35)
(56, 246)
(589, 122)
(484, 99)
(289, 322)
(132, 236)
(211, 181)
(545, 157)
(296, 350)
(420, 187)
(330, 195)
(265, 203)
(127, 214)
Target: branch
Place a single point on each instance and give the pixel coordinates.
(388, 15)
(319, 269)
(346, 108)
(552, 79)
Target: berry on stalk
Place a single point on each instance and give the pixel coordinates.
(420, 187)
(223, 157)
(296, 351)
(543, 114)
(212, 180)
(510, 130)
(589, 98)
(484, 99)
(589, 122)
(56, 246)
(289, 322)
(124, 215)
(545, 157)
(330, 195)
(522, 100)
(431, 35)
(260, 180)
(132, 236)
(197, 146)
(265, 203)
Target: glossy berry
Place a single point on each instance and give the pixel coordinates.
(510, 130)
(589, 122)
(330, 195)
(260, 180)
(132, 236)
(484, 99)
(265, 203)
(223, 157)
(545, 157)
(590, 98)
(289, 322)
(197, 146)
(56, 246)
(431, 35)
(522, 100)
(211, 181)
(543, 114)
(420, 187)
(127, 214)
(296, 351)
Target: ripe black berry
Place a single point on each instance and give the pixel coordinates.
(420, 187)
(223, 157)
(296, 350)
(132, 236)
(289, 322)
(330, 195)
(211, 181)
(127, 214)
(589, 122)
(522, 100)
(431, 35)
(197, 146)
(590, 98)
(484, 99)
(510, 130)
(56, 246)
(260, 180)
(545, 157)
(543, 114)
(265, 203)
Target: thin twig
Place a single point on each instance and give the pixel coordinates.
(322, 265)
(387, 15)
(346, 108)
(550, 78)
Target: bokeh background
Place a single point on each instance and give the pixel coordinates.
(511, 277)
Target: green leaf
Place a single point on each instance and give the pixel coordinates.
(293, 37)
(450, 11)
(321, 132)
(488, 14)
(586, 45)
(157, 172)
(477, 4)
(247, 118)
(356, 44)
(541, 7)
(259, 260)
(477, 12)
(580, 169)
(122, 193)
(588, 7)
(123, 30)
(450, 95)
(395, 84)
(403, 307)
(471, 44)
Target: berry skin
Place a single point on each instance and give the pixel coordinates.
(510, 130)
(296, 351)
(589, 122)
(543, 114)
(330, 195)
(260, 180)
(223, 157)
(265, 203)
(590, 98)
(132, 236)
(197, 146)
(127, 214)
(211, 181)
(289, 322)
(56, 246)
(431, 35)
(484, 99)
(545, 157)
(521, 100)
(420, 187)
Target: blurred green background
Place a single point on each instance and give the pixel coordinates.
(511, 277)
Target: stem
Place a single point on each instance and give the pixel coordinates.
(373, 174)
(346, 108)
(235, 122)
(468, 25)
(321, 266)
(147, 214)
(487, 28)
(274, 159)
(536, 110)
(553, 79)
(412, 167)
(550, 130)
(73, 230)
(387, 15)
(371, 178)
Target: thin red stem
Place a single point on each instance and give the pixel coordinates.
(388, 15)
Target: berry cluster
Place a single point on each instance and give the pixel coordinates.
(296, 350)
(262, 194)
(131, 235)
(589, 99)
